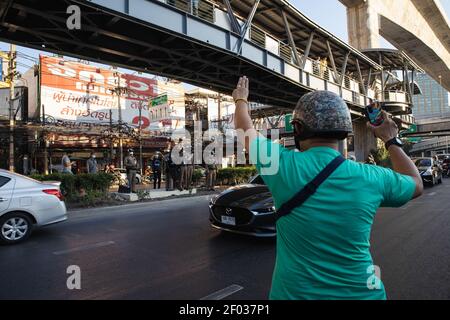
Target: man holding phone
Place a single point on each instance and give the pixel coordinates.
(325, 204)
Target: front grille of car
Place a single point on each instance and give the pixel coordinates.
(243, 216)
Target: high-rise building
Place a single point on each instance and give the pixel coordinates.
(434, 102)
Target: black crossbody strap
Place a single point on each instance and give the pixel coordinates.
(309, 189)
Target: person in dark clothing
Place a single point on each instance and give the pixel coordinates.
(167, 168)
(171, 169)
(181, 169)
(157, 167)
(189, 175)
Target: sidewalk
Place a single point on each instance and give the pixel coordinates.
(71, 207)
(144, 207)
(151, 194)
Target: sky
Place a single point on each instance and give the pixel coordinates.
(330, 14)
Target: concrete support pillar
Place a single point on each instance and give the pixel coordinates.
(365, 141)
(363, 25)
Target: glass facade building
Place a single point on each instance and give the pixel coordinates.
(434, 102)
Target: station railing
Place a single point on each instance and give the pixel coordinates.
(397, 96)
(317, 74)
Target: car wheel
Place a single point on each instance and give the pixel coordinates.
(15, 228)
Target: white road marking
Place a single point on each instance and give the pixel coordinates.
(222, 294)
(87, 247)
(432, 194)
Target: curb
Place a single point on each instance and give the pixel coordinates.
(135, 204)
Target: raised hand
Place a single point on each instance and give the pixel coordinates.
(242, 90)
(386, 131)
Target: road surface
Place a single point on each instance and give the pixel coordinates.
(167, 250)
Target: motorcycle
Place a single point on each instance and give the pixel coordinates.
(446, 169)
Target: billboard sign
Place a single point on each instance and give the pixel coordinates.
(75, 92)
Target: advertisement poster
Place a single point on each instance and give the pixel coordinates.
(76, 92)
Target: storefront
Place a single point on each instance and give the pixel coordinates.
(80, 108)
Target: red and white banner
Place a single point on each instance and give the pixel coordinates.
(73, 91)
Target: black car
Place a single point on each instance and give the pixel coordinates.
(245, 209)
(430, 170)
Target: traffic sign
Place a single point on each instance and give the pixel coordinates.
(159, 100)
(412, 128)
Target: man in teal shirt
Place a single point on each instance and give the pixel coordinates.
(323, 245)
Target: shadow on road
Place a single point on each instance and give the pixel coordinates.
(229, 238)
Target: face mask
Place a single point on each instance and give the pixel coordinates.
(131, 154)
(297, 143)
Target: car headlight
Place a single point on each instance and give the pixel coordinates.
(214, 199)
(265, 210)
(429, 172)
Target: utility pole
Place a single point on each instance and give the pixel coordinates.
(111, 151)
(219, 106)
(118, 91)
(11, 76)
(44, 135)
(140, 137)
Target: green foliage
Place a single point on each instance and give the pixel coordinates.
(80, 187)
(231, 176)
(91, 197)
(382, 158)
(197, 175)
(143, 194)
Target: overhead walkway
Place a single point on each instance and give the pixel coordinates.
(209, 44)
(434, 127)
(434, 144)
(418, 27)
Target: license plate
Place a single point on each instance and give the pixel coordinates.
(229, 220)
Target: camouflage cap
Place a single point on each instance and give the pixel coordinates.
(323, 112)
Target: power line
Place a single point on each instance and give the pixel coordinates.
(156, 88)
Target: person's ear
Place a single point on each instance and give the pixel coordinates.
(298, 128)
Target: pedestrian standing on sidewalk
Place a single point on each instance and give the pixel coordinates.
(66, 164)
(189, 171)
(156, 168)
(211, 173)
(131, 164)
(91, 164)
(182, 169)
(326, 204)
(169, 169)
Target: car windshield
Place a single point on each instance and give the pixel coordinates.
(257, 180)
(423, 163)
